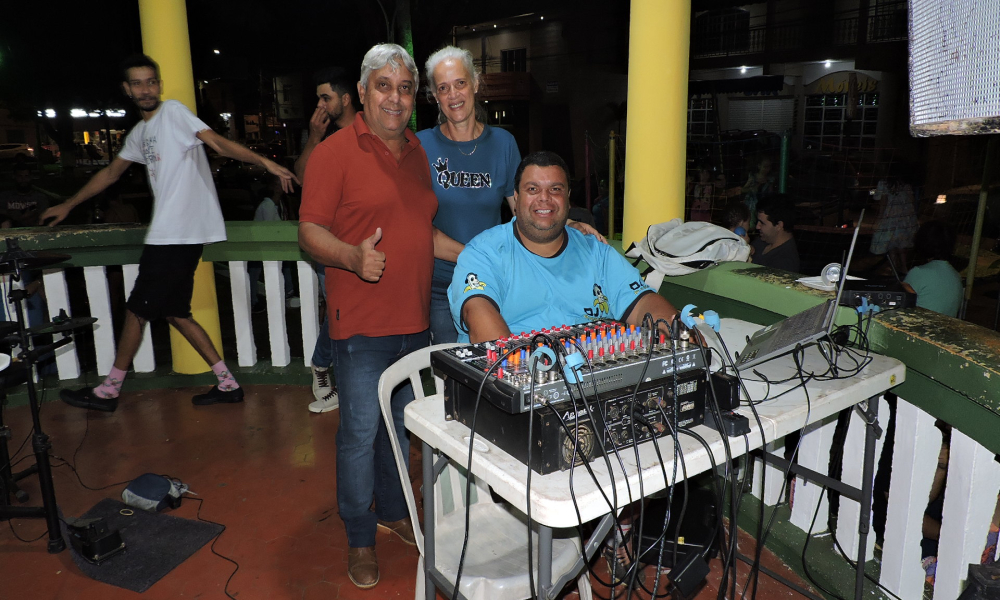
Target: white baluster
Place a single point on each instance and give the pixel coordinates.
(57, 298)
(144, 362)
(970, 497)
(854, 455)
(100, 307)
(309, 296)
(774, 476)
(241, 288)
(914, 460)
(814, 453)
(274, 287)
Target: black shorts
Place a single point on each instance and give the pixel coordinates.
(165, 282)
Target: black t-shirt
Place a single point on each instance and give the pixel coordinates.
(785, 256)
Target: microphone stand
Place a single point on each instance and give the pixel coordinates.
(40, 443)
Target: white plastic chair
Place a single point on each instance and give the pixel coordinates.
(495, 563)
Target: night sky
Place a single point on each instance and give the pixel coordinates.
(54, 53)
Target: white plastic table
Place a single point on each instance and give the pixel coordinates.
(552, 505)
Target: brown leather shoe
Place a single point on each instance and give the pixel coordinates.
(362, 567)
(403, 528)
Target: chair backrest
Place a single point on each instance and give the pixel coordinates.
(449, 489)
(407, 368)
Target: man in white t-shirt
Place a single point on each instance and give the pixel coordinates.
(186, 216)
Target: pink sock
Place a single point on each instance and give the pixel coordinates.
(226, 380)
(112, 385)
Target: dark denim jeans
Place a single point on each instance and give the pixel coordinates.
(366, 468)
(323, 351)
(442, 326)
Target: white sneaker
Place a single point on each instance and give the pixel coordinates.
(325, 393)
(327, 403)
(321, 382)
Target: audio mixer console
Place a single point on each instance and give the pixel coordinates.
(617, 356)
(568, 428)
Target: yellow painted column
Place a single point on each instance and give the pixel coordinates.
(165, 40)
(656, 134)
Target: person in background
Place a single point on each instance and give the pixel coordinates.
(736, 218)
(759, 186)
(335, 110)
(21, 206)
(169, 141)
(776, 246)
(896, 223)
(272, 207)
(936, 283)
(702, 191)
(472, 169)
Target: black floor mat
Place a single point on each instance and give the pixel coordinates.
(155, 543)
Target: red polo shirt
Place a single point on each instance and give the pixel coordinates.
(353, 185)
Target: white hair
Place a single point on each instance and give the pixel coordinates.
(381, 55)
(459, 55)
(450, 53)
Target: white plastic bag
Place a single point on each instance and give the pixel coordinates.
(678, 248)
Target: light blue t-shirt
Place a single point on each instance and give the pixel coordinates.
(585, 281)
(471, 180)
(938, 286)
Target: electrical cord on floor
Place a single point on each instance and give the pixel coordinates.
(805, 546)
(31, 430)
(201, 503)
(10, 523)
(72, 465)
(854, 565)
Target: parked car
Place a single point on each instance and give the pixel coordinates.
(16, 151)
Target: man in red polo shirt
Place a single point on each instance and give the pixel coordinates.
(366, 213)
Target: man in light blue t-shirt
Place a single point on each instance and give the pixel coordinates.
(534, 272)
(936, 283)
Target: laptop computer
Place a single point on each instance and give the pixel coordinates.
(799, 329)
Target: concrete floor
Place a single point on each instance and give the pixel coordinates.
(265, 469)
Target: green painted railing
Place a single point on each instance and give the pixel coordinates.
(952, 366)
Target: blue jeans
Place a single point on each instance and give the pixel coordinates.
(323, 351)
(366, 467)
(442, 326)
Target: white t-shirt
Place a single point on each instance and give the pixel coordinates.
(185, 203)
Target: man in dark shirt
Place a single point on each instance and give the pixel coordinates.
(776, 246)
(22, 205)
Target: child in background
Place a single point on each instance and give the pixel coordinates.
(736, 218)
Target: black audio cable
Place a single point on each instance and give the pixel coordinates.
(732, 483)
(762, 541)
(727, 357)
(612, 505)
(468, 480)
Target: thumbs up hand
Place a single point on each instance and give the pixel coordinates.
(369, 262)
